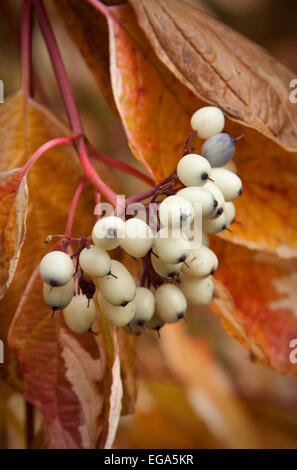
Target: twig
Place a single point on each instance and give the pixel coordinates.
(70, 105)
(121, 166)
(47, 146)
(26, 44)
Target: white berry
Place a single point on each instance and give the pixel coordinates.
(229, 212)
(138, 239)
(144, 306)
(80, 314)
(117, 315)
(58, 297)
(171, 246)
(197, 291)
(200, 263)
(171, 303)
(108, 232)
(193, 170)
(203, 201)
(56, 268)
(175, 211)
(215, 225)
(208, 121)
(228, 182)
(165, 269)
(94, 261)
(119, 287)
(219, 197)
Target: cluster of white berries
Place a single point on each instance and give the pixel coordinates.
(175, 272)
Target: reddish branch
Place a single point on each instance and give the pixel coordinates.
(70, 104)
(121, 166)
(47, 146)
(26, 48)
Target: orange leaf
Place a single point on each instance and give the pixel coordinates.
(14, 200)
(267, 208)
(153, 105)
(263, 316)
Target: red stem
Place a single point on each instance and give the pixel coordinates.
(59, 68)
(26, 43)
(70, 104)
(121, 166)
(73, 205)
(47, 146)
(91, 174)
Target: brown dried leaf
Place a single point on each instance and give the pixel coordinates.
(222, 67)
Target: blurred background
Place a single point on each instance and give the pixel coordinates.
(198, 388)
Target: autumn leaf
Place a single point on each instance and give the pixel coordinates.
(222, 67)
(262, 315)
(144, 92)
(14, 201)
(72, 367)
(62, 371)
(112, 384)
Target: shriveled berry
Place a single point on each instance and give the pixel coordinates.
(87, 286)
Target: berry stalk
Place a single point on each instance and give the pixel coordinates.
(161, 188)
(121, 166)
